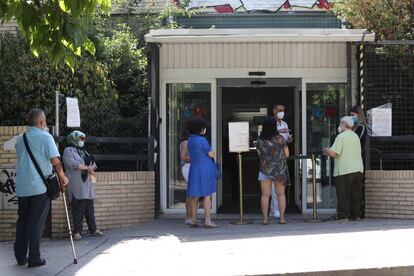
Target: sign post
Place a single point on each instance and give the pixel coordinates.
(239, 142)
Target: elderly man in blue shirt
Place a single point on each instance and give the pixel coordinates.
(31, 191)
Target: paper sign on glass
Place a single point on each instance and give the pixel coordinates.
(73, 114)
(239, 137)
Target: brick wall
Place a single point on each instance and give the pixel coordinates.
(8, 158)
(122, 198)
(10, 26)
(389, 194)
(8, 217)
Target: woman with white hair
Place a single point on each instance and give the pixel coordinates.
(348, 170)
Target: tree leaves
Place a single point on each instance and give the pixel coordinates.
(57, 28)
(389, 19)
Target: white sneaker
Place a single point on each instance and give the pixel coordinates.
(276, 213)
(210, 224)
(188, 221)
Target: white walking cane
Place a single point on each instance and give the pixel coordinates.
(75, 260)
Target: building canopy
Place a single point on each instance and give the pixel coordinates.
(259, 35)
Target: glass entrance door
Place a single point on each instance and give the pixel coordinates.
(253, 104)
(325, 105)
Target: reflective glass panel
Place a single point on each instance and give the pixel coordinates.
(325, 105)
(184, 101)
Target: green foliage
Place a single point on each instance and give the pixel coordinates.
(389, 19)
(56, 28)
(127, 65)
(27, 82)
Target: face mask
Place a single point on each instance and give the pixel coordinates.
(340, 129)
(355, 119)
(203, 131)
(46, 129)
(280, 115)
(81, 144)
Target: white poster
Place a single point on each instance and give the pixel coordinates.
(239, 137)
(73, 114)
(10, 144)
(381, 122)
(8, 198)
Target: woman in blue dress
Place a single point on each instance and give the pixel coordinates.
(203, 172)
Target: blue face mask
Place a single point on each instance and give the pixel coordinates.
(355, 119)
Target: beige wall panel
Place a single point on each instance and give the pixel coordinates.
(245, 57)
(164, 56)
(226, 55)
(238, 54)
(323, 53)
(312, 55)
(256, 55)
(220, 56)
(214, 55)
(189, 55)
(300, 55)
(331, 56)
(342, 55)
(318, 55)
(196, 56)
(250, 55)
(288, 54)
(269, 55)
(253, 55)
(275, 55)
(207, 53)
(232, 55)
(183, 56)
(293, 55)
(201, 54)
(262, 50)
(177, 56)
(170, 55)
(281, 55)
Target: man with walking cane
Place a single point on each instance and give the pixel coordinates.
(31, 190)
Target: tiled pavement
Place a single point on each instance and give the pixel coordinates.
(167, 247)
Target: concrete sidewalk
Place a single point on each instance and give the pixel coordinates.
(167, 247)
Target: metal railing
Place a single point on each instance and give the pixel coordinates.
(387, 155)
(139, 158)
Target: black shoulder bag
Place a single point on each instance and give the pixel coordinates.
(52, 182)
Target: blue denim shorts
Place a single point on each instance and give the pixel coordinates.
(262, 176)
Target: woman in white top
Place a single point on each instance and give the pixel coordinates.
(185, 169)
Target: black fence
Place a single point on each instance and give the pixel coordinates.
(389, 78)
(119, 153)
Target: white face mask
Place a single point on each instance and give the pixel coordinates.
(81, 144)
(340, 129)
(203, 131)
(280, 115)
(46, 129)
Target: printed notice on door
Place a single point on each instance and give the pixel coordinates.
(239, 136)
(73, 114)
(381, 122)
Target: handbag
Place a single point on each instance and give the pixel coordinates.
(51, 182)
(217, 169)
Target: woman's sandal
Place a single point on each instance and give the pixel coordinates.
(282, 222)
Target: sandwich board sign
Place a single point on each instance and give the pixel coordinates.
(239, 137)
